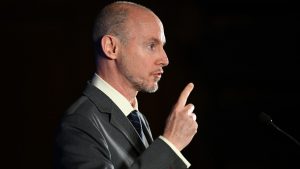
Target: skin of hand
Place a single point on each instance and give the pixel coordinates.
(181, 125)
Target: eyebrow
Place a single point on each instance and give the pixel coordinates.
(157, 41)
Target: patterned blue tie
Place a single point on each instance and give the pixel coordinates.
(136, 121)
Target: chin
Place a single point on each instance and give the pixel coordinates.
(150, 89)
(154, 89)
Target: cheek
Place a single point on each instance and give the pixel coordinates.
(142, 69)
(141, 61)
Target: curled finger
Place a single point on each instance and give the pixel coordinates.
(194, 117)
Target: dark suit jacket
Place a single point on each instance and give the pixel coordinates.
(95, 134)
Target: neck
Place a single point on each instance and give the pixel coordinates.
(122, 86)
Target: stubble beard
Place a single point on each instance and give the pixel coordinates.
(139, 84)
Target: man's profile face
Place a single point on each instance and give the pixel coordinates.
(142, 57)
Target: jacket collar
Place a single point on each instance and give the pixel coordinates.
(117, 117)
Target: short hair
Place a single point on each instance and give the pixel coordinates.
(112, 20)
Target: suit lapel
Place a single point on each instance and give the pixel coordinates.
(117, 117)
(120, 121)
(146, 130)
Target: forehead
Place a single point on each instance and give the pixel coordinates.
(146, 24)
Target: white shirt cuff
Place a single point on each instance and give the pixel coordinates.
(176, 151)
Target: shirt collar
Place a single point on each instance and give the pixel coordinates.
(123, 104)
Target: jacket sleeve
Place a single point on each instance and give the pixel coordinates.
(158, 155)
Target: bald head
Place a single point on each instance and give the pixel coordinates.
(113, 18)
(129, 40)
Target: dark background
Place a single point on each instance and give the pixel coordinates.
(241, 55)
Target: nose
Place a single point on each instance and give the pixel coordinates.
(164, 61)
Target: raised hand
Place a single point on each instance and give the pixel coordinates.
(181, 125)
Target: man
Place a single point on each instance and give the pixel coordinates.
(97, 132)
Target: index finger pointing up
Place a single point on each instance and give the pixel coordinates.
(181, 102)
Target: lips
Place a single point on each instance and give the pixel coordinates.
(158, 74)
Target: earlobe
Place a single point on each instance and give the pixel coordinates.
(109, 46)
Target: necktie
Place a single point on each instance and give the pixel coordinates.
(136, 122)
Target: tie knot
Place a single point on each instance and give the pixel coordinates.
(133, 113)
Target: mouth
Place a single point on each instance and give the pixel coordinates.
(158, 74)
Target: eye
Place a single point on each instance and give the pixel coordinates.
(151, 46)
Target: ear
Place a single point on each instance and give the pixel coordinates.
(109, 46)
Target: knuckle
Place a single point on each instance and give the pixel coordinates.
(190, 108)
(190, 105)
